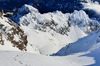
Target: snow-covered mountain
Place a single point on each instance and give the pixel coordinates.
(45, 6)
(57, 21)
(46, 33)
(12, 37)
(53, 33)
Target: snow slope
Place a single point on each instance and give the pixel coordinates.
(9, 34)
(51, 42)
(13, 38)
(28, 59)
(89, 43)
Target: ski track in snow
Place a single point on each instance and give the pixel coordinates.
(20, 55)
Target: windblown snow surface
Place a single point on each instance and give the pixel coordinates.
(52, 37)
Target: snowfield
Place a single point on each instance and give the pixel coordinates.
(27, 59)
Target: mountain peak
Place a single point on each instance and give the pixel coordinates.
(25, 9)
